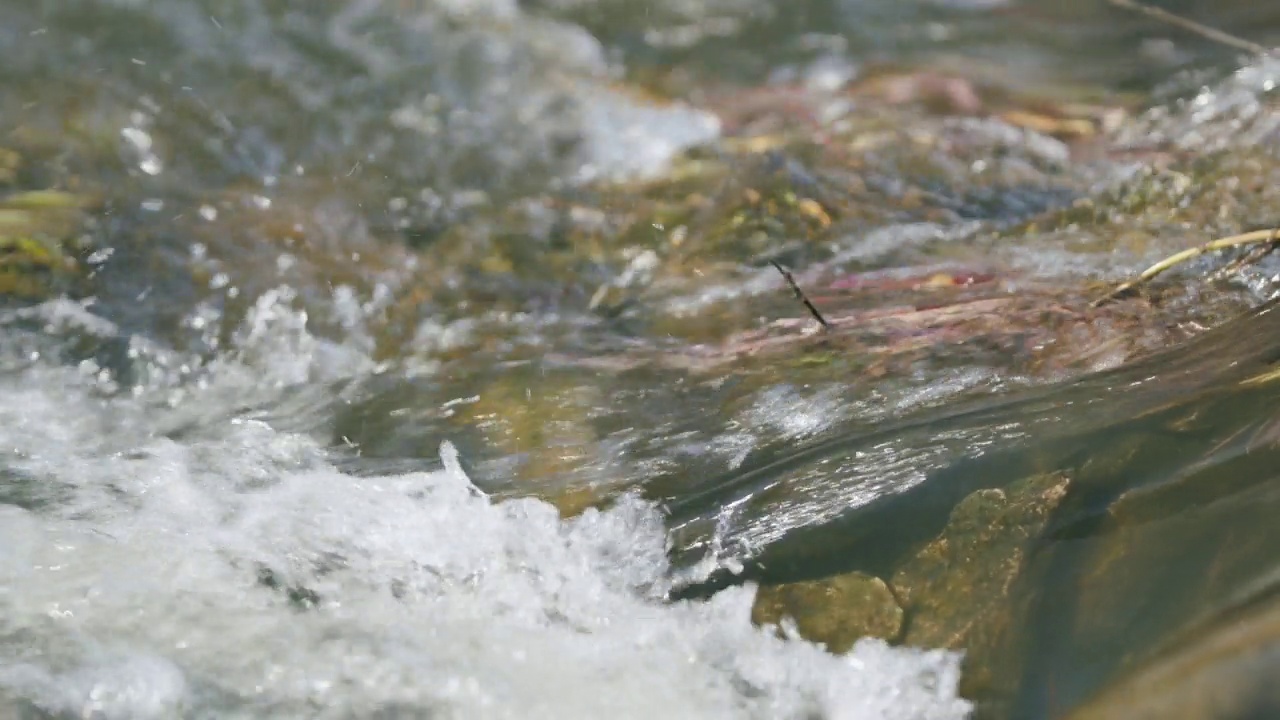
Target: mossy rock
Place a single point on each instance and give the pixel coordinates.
(30, 268)
(546, 424)
(835, 611)
(961, 591)
(43, 200)
(976, 558)
(954, 593)
(36, 229)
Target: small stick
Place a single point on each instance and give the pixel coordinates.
(1254, 255)
(1271, 237)
(1192, 26)
(801, 296)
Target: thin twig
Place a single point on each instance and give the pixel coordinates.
(801, 296)
(1257, 237)
(1192, 26)
(1254, 255)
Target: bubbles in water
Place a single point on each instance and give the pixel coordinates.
(114, 687)
(1233, 112)
(794, 414)
(194, 560)
(139, 141)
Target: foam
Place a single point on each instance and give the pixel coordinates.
(232, 571)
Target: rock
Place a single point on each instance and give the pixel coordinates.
(835, 611)
(853, 502)
(35, 229)
(959, 591)
(1154, 593)
(958, 582)
(954, 593)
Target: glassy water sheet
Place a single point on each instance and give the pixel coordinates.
(860, 497)
(230, 570)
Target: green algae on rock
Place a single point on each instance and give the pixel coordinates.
(835, 611)
(954, 593)
(976, 558)
(36, 228)
(965, 589)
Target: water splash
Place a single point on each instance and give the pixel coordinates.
(229, 569)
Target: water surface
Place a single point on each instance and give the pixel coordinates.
(324, 242)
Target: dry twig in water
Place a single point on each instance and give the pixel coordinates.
(1192, 26)
(1258, 237)
(801, 296)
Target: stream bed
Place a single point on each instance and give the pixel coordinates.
(431, 358)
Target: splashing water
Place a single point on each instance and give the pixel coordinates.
(163, 556)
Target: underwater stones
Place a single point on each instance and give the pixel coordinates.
(954, 593)
(543, 423)
(836, 611)
(964, 589)
(575, 501)
(34, 226)
(25, 265)
(958, 583)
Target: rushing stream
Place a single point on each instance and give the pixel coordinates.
(413, 358)
(166, 558)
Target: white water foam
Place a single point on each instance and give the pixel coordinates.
(230, 571)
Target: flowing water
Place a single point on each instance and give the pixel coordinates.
(166, 558)
(313, 434)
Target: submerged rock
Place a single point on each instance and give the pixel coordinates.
(1155, 591)
(37, 230)
(954, 593)
(962, 590)
(835, 611)
(1078, 529)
